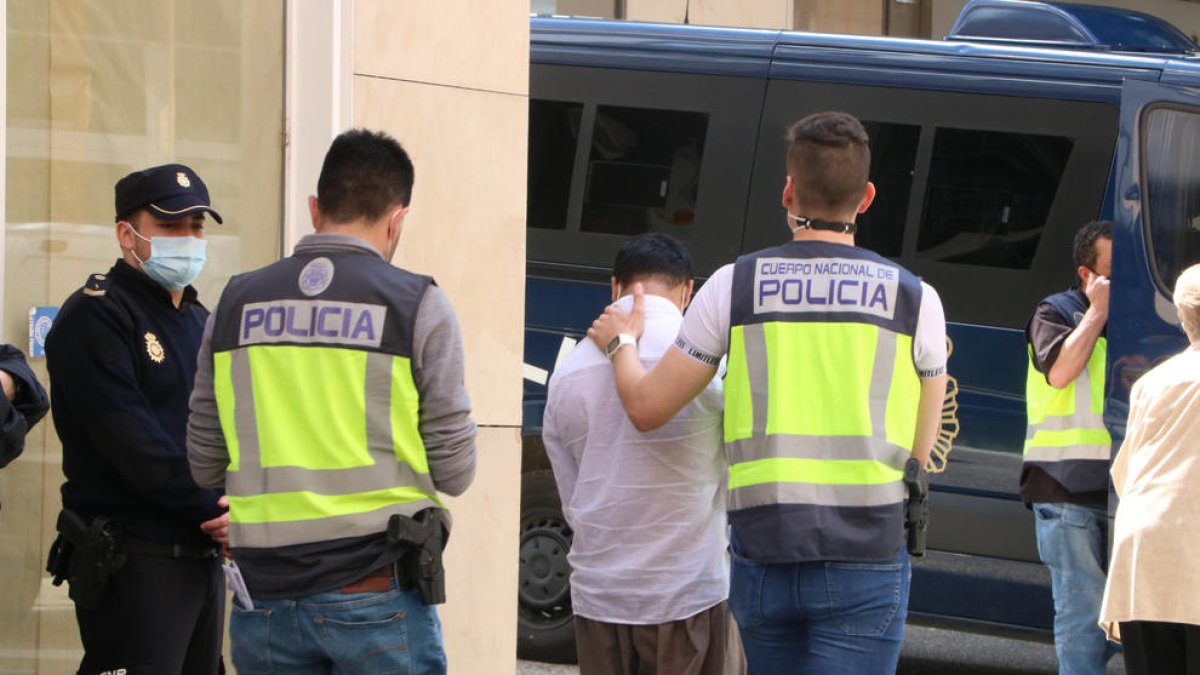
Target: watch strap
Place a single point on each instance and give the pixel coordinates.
(618, 341)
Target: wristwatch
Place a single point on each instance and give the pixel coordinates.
(618, 341)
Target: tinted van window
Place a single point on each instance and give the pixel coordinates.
(643, 171)
(989, 196)
(618, 152)
(553, 134)
(1172, 183)
(985, 205)
(893, 156)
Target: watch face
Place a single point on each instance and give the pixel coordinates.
(612, 345)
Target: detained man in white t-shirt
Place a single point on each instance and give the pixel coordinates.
(651, 571)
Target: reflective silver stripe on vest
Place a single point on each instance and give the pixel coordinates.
(1069, 452)
(387, 472)
(762, 446)
(290, 533)
(754, 339)
(813, 447)
(816, 494)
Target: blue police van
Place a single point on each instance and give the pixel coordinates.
(989, 149)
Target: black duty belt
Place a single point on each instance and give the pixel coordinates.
(135, 546)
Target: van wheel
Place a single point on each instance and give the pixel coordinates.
(545, 622)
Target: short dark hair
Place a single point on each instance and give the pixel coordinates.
(365, 173)
(1085, 242)
(828, 158)
(652, 255)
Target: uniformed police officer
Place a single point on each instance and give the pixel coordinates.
(139, 540)
(836, 375)
(329, 403)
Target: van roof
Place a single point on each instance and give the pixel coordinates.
(934, 64)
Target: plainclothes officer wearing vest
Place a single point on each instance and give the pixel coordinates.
(1064, 477)
(329, 401)
(144, 566)
(836, 375)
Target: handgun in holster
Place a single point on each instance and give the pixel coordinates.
(425, 534)
(87, 555)
(916, 509)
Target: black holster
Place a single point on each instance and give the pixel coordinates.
(87, 555)
(424, 535)
(916, 509)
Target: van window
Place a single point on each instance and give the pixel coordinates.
(989, 195)
(1172, 182)
(553, 134)
(643, 170)
(616, 152)
(893, 157)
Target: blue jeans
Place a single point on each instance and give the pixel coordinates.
(1073, 542)
(356, 634)
(821, 618)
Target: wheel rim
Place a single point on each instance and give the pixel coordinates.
(544, 572)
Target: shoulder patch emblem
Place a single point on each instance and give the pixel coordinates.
(155, 349)
(316, 276)
(96, 286)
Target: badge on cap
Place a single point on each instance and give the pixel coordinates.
(155, 349)
(183, 180)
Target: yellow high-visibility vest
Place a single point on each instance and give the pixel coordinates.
(821, 398)
(318, 404)
(1066, 436)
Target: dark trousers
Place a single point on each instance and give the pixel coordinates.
(159, 616)
(1157, 648)
(704, 644)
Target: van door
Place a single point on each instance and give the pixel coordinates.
(1156, 231)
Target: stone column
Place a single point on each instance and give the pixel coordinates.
(450, 80)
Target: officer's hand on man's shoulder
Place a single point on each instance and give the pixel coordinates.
(615, 320)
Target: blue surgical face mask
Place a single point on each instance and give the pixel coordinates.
(174, 262)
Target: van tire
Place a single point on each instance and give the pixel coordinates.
(545, 621)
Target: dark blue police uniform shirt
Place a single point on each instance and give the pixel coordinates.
(122, 360)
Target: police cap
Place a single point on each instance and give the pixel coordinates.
(170, 191)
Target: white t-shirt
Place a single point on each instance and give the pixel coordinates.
(647, 509)
(704, 335)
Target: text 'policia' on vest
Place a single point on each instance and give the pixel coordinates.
(356, 457)
(1066, 436)
(821, 399)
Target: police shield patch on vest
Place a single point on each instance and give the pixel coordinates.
(316, 276)
(312, 322)
(825, 285)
